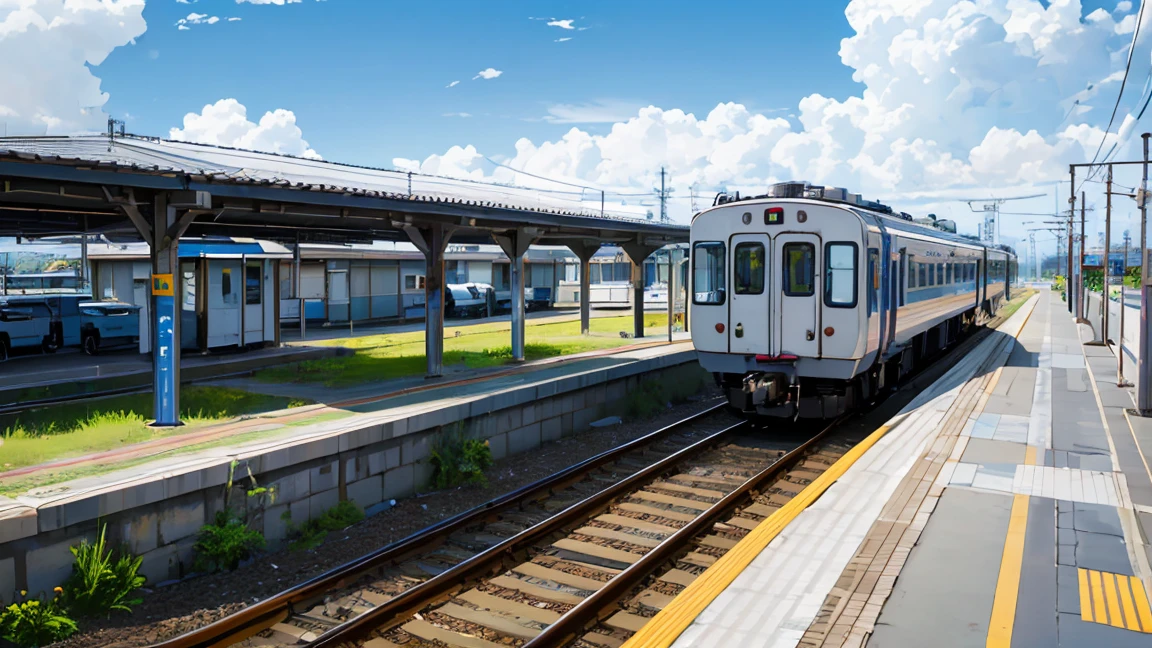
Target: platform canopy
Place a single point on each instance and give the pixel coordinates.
(55, 185)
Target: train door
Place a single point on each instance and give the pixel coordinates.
(748, 309)
(797, 307)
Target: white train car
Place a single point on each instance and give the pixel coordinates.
(808, 301)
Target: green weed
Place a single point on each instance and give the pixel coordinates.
(102, 582)
(313, 532)
(674, 386)
(224, 544)
(456, 460)
(36, 623)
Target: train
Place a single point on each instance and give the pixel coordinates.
(810, 301)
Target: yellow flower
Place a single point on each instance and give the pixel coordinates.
(58, 589)
(23, 592)
(486, 444)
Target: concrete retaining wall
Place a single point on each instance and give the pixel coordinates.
(370, 463)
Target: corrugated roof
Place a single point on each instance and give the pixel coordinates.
(237, 166)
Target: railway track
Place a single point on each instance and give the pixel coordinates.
(331, 600)
(598, 570)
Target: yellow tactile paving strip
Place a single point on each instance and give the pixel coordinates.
(1114, 599)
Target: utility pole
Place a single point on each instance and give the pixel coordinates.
(1120, 381)
(1107, 255)
(1036, 269)
(1083, 311)
(663, 199)
(1143, 365)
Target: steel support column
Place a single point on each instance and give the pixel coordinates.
(169, 220)
(638, 253)
(515, 244)
(432, 240)
(585, 250)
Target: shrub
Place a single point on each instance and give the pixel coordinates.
(225, 543)
(36, 623)
(102, 582)
(456, 460)
(313, 532)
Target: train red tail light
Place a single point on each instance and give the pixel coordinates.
(783, 357)
(719, 327)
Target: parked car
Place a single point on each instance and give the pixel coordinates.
(104, 323)
(24, 325)
(469, 300)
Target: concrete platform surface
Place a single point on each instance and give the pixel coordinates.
(1013, 508)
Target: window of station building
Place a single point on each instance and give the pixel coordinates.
(708, 273)
(748, 268)
(253, 282)
(799, 269)
(451, 272)
(226, 284)
(840, 275)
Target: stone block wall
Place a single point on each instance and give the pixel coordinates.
(369, 463)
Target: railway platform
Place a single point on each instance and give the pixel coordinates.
(370, 445)
(1010, 504)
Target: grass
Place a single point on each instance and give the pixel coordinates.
(1013, 305)
(74, 429)
(18, 486)
(380, 357)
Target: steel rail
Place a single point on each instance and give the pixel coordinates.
(590, 611)
(508, 553)
(263, 615)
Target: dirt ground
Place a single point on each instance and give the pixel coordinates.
(193, 603)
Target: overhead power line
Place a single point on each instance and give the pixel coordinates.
(1120, 94)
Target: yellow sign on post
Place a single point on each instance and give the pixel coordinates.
(162, 285)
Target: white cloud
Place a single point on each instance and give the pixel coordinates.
(272, 2)
(233, 19)
(596, 112)
(562, 24)
(53, 90)
(490, 73)
(956, 95)
(198, 19)
(457, 114)
(1123, 7)
(225, 123)
(453, 84)
(562, 40)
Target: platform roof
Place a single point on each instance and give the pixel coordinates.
(53, 185)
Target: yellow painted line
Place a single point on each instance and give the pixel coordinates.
(1112, 597)
(663, 629)
(1099, 613)
(1008, 582)
(1030, 456)
(992, 381)
(1142, 608)
(666, 626)
(1130, 620)
(1085, 595)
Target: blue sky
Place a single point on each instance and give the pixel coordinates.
(367, 80)
(914, 103)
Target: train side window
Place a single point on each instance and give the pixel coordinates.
(708, 273)
(948, 273)
(912, 273)
(923, 272)
(799, 269)
(939, 274)
(840, 281)
(873, 280)
(748, 268)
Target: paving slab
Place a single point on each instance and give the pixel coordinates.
(989, 451)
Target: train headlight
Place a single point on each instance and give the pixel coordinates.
(719, 327)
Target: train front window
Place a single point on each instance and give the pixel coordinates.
(708, 273)
(840, 275)
(799, 269)
(748, 268)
